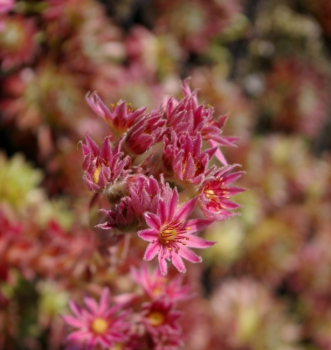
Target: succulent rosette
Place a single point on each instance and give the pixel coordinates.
(17, 43)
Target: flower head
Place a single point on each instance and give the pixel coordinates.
(143, 196)
(187, 116)
(120, 117)
(97, 324)
(145, 193)
(145, 132)
(122, 217)
(171, 235)
(185, 157)
(157, 286)
(215, 193)
(160, 317)
(102, 167)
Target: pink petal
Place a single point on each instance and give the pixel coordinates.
(96, 104)
(153, 221)
(172, 205)
(106, 152)
(74, 322)
(235, 190)
(75, 308)
(152, 250)
(163, 264)
(195, 225)
(185, 210)
(78, 336)
(229, 205)
(178, 262)
(92, 145)
(189, 169)
(197, 242)
(162, 211)
(232, 177)
(148, 235)
(189, 255)
(91, 343)
(219, 155)
(91, 304)
(104, 300)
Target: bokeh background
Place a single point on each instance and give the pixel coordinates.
(266, 285)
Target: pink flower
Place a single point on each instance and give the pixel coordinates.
(188, 116)
(103, 167)
(120, 117)
(170, 234)
(143, 196)
(157, 286)
(145, 193)
(215, 193)
(122, 217)
(187, 161)
(98, 324)
(160, 317)
(145, 132)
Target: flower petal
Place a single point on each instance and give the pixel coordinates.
(232, 177)
(148, 235)
(152, 250)
(104, 300)
(185, 210)
(92, 146)
(219, 155)
(91, 304)
(75, 308)
(172, 205)
(195, 225)
(163, 264)
(153, 221)
(197, 242)
(162, 211)
(73, 322)
(189, 255)
(178, 262)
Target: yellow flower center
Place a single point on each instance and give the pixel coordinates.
(99, 325)
(210, 194)
(169, 234)
(155, 319)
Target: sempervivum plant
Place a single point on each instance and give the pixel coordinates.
(155, 172)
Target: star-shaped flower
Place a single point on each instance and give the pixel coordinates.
(171, 235)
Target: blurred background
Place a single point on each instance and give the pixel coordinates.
(265, 63)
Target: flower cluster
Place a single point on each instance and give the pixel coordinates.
(157, 173)
(144, 319)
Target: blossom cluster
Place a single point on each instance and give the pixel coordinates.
(145, 318)
(155, 169)
(266, 283)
